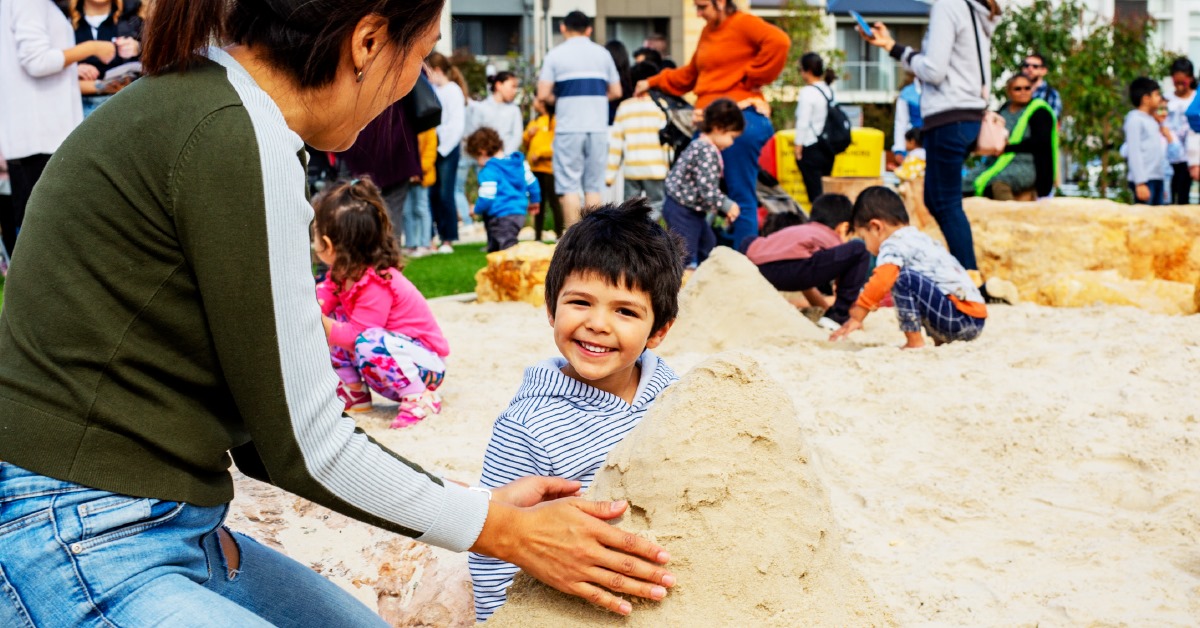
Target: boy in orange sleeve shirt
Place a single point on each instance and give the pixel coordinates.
(930, 288)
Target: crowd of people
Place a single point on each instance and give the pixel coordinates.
(150, 345)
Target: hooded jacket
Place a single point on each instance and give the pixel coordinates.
(506, 187)
(948, 62)
(556, 426)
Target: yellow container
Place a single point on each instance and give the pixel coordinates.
(864, 157)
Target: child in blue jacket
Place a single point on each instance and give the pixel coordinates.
(507, 189)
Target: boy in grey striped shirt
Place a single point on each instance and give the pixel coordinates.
(611, 295)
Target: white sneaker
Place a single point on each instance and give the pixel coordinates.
(828, 324)
(445, 248)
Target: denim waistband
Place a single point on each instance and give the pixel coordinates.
(18, 483)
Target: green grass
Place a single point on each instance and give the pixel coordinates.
(452, 273)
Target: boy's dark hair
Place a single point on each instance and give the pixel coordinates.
(878, 203)
(722, 114)
(781, 220)
(914, 136)
(624, 246)
(649, 55)
(484, 142)
(577, 22)
(1140, 88)
(643, 71)
(831, 210)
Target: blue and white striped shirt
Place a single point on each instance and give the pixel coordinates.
(581, 71)
(556, 426)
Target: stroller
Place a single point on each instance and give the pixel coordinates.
(679, 130)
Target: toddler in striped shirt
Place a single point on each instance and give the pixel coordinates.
(611, 296)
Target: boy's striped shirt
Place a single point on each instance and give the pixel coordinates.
(633, 141)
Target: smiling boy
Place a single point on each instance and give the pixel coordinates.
(611, 295)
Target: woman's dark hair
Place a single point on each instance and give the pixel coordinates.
(353, 216)
(1017, 76)
(1183, 65)
(484, 142)
(622, 245)
(730, 7)
(620, 57)
(723, 114)
(438, 61)
(497, 78)
(812, 63)
(303, 38)
(878, 203)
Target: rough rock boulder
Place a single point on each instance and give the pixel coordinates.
(515, 274)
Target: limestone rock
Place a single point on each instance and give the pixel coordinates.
(719, 474)
(1031, 244)
(1102, 287)
(515, 274)
(727, 304)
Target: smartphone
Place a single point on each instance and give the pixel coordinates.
(866, 28)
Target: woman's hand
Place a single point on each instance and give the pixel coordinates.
(564, 544)
(105, 51)
(127, 47)
(880, 36)
(87, 72)
(642, 87)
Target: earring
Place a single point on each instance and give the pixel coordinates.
(359, 77)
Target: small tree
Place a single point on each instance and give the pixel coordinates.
(805, 25)
(1091, 63)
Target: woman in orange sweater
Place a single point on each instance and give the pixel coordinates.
(737, 55)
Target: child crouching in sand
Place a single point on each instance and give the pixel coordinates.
(611, 295)
(930, 288)
(379, 327)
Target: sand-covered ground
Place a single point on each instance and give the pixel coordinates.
(1046, 474)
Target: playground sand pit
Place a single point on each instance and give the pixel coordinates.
(1044, 474)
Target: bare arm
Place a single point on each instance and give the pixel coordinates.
(545, 91)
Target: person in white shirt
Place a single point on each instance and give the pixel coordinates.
(1184, 171)
(40, 98)
(450, 87)
(813, 157)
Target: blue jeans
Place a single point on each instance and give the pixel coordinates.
(919, 302)
(418, 222)
(741, 172)
(441, 197)
(75, 556)
(946, 150)
(691, 225)
(1157, 193)
(460, 190)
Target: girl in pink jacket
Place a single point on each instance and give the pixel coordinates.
(381, 331)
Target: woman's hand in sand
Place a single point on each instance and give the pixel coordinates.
(565, 544)
(534, 490)
(847, 327)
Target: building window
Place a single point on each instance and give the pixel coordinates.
(488, 34)
(1133, 12)
(633, 31)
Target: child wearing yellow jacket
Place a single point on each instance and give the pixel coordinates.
(539, 151)
(418, 221)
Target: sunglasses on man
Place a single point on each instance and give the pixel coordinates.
(1036, 66)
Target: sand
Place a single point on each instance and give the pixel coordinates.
(1045, 474)
(730, 490)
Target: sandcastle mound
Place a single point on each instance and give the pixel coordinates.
(717, 472)
(727, 305)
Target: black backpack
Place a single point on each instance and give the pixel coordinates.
(836, 134)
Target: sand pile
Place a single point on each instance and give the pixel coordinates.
(728, 305)
(719, 474)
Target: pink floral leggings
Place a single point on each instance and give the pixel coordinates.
(391, 363)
